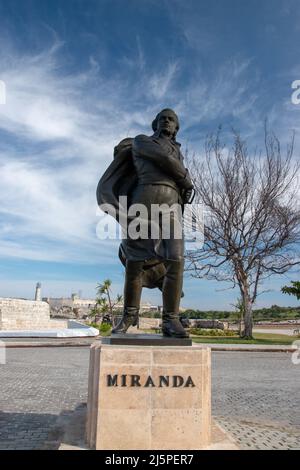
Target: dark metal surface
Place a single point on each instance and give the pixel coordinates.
(145, 340)
(153, 169)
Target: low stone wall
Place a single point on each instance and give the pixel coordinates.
(146, 323)
(18, 314)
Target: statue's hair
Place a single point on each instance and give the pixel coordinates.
(154, 123)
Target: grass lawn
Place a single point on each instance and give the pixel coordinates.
(259, 338)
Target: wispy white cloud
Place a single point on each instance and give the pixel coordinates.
(48, 186)
(159, 84)
(59, 131)
(67, 127)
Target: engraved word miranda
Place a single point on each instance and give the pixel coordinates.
(125, 380)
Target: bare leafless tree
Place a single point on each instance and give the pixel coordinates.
(252, 231)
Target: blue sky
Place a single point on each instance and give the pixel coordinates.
(82, 75)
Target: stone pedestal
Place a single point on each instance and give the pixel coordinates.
(149, 397)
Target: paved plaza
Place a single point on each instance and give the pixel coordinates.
(255, 397)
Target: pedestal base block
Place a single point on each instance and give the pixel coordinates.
(149, 397)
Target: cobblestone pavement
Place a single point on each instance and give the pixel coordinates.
(255, 397)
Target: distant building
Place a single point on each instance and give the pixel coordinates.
(72, 302)
(145, 307)
(86, 304)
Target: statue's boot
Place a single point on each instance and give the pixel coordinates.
(172, 290)
(132, 296)
(130, 318)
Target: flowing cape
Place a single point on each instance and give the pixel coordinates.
(119, 179)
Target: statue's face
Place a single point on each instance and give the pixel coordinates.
(167, 123)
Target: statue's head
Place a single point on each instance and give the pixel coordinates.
(166, 122)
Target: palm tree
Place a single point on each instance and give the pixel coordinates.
(104, 303)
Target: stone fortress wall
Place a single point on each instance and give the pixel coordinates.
(19, 314)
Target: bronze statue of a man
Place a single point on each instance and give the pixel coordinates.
(156, 175)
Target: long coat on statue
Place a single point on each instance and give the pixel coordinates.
(120, 179)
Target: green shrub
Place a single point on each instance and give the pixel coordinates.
(104, 328)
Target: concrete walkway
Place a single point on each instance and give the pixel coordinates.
(250, 347)
(86, 342)
(278, 331)
(75, 329)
